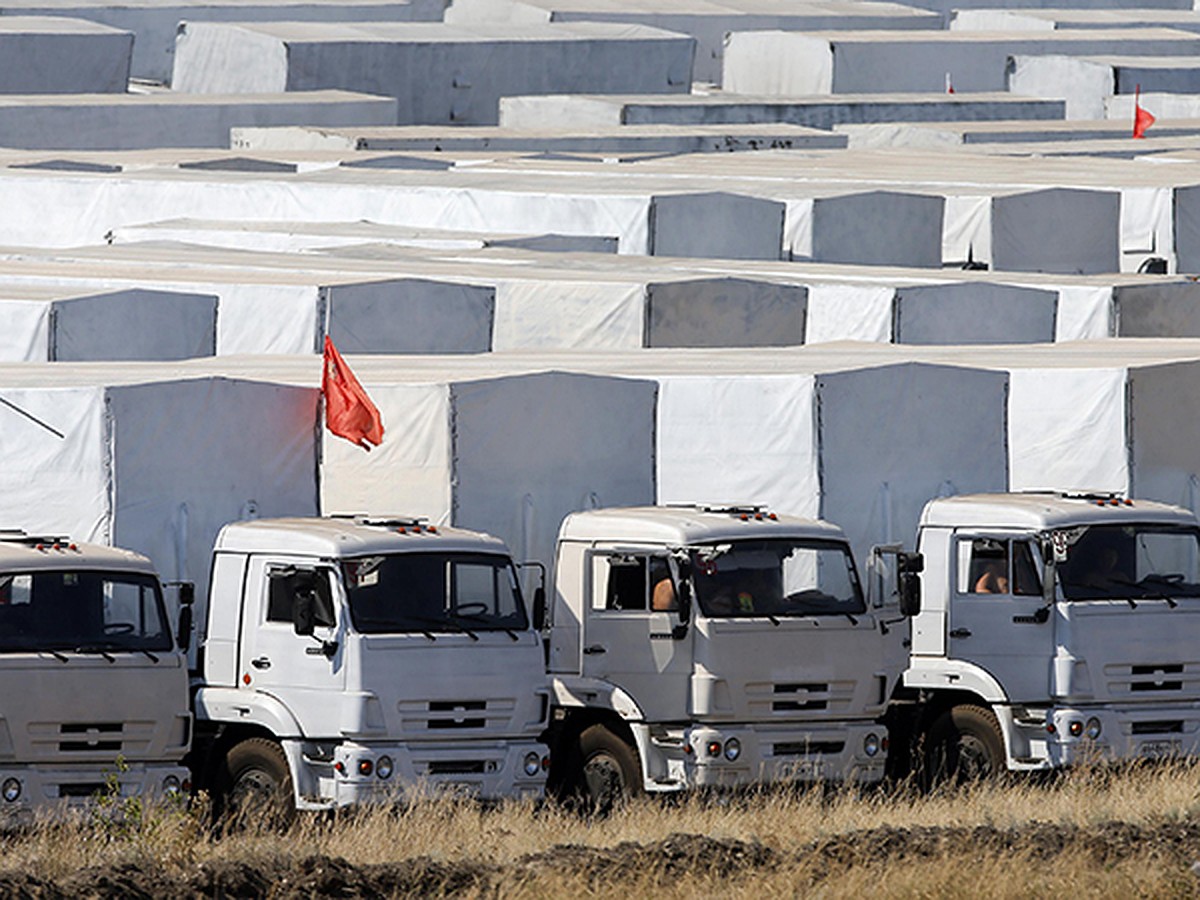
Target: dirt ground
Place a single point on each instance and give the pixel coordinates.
(1170, 843)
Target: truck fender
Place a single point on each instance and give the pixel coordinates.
(954, 675)
(231, 706)
(592, 693)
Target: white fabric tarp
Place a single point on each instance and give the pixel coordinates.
(575, 111)
(52, 55)
(845, 62)
(156, 467)
(1086, 83)
(154, 22)
(136, 121)
(707, 22)
(42, 325)
(1057, 230)
(509, 455)
(439, 74)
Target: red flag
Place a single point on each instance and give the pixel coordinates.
(1142, 119)
(349, 412)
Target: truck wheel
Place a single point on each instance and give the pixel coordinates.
(609, 772)
(256, 786)
(964, 744)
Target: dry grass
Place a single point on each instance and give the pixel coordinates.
(1092, 833)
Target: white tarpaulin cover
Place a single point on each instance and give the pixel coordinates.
(136, 121)
(509, 455)
(575, 110)
(439, 74)
(156, 467)
(52, 55)
(1057, 230)
(154, 22)
(789, 63)
(706, 21)
(1087, 82)
(41, 325)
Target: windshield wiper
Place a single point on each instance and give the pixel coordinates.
(96, 648)
(482, 621)
(58, 654)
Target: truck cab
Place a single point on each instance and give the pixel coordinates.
(709, 646)
(93, 688)
(1055, 628)
(355, 660)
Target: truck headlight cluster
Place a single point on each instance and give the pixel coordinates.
(170, 785)
(871, 744)
(1093, 728)
(10, 790)
(733, 749)
(532, 764)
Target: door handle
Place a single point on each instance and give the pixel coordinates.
(594, 648)
(960, 632)
(261, 663)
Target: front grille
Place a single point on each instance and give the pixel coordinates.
(1152, 678)
(453, 714)
(86, 737)
(801, 697)
(1169, 726)
(808, 748)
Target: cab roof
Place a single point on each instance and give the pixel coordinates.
(694, 524)
(31, 552)
(1038, 511)
(338, 537)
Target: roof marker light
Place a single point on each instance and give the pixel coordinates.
(772, 516)
(402, 530)
(432, 529)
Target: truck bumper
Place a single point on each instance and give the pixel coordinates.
(1075, 735)
(834, 751)
(349, 773)
(47, 790)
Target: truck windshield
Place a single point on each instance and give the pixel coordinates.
(1127, 561)
(779, 577)
(82, 611)
(433, 592)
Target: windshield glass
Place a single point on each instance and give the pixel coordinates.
(782, 577)
(82, 611)
(428, 592)
(1127, 561)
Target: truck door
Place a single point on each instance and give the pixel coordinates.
(998, 618)
(632, 636)
(273, 659)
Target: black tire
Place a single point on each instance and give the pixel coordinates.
(964, 744)
(256, 786)
(609, 772)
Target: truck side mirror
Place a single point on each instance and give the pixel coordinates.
(184, 636)
(685, 601)
(539, 608)
(910, 566)
(304, 616)
(187, 593)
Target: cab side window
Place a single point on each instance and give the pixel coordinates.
(637, 583)
(998, 566)
(283, 585)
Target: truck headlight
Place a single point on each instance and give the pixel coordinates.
(733, 749)
(1076, 728)
(384, 767)
(11, 790)
(871, 744)
(170, 785)
(1093, 728)
(532, 763)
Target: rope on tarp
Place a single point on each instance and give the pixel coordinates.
(31, 417)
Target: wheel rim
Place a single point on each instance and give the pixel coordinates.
(256, 794)
(603, 781)
(972, 759)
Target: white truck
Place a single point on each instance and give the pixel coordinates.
(93, 687)
(711, 646)
(1054, 628)
(350, 660)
